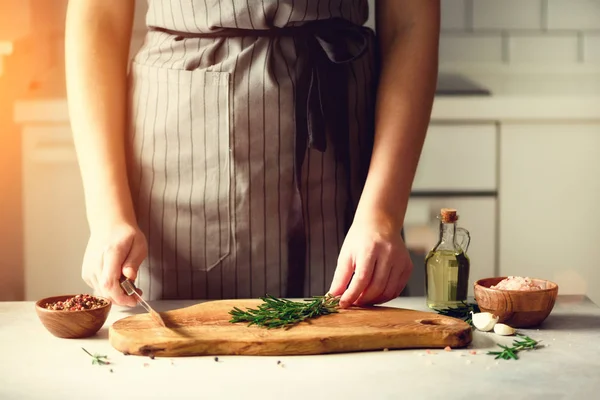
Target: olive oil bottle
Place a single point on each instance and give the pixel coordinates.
(447, 265)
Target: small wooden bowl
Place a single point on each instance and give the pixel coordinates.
(516, 308)
(72, 324)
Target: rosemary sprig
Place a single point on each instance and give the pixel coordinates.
(462, 311)
(508, 353)
(282, 313)
(98, 359)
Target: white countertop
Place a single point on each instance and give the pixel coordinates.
(36, 365)
(524, 96)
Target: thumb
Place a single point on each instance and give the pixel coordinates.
(111, 272)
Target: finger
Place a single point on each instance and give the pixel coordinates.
(342, 275)
(403, 281)
(111, 273)
(86, 276)
(391, 290)
(96, 285)
(379, 282)
(364, 266)
(91, 267)
(87, 280)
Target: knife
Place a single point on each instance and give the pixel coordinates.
(129, 288)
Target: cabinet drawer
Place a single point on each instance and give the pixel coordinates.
(458, 158)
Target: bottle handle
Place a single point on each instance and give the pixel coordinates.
(463, 238)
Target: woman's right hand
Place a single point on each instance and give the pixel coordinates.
(112, 250)
(96, 62)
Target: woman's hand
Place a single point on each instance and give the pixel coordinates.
(375, 252)
(115, 249)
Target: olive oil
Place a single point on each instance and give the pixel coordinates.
(447, 278)
(447, 265)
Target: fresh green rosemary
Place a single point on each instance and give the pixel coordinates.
(98, 359)
(508, 353)
(462, 311)
(282, 313)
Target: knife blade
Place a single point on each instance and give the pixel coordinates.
(129, 288)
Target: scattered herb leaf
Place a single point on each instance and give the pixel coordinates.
(508, 353)
(462, 311)
(97, 359)
(282, 313)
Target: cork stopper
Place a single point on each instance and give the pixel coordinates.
(448, 215)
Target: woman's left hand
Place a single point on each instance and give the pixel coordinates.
(376, 254)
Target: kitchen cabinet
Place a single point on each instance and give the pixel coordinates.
(55, 225)
(549, 199)
(458, 158)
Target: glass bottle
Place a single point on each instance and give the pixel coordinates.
(447, 264)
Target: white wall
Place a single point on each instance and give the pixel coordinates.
(520, 31)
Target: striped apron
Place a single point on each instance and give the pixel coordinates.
(250, 137)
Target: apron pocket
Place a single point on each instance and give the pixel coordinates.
(180, 165)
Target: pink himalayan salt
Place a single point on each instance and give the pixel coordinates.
(516, 283)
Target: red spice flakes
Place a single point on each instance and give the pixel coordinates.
(448, 348)
(146, 365)
(473, 352)
(428, 351)
(77, 303)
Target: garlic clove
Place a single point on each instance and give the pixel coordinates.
(484, 321)
(504, 330)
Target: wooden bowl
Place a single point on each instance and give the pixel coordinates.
(72, 324)
(516, 308)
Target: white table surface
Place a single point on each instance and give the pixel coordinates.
(36, 365)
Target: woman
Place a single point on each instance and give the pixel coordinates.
(244, 155)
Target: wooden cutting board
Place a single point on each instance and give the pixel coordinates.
(204, 329)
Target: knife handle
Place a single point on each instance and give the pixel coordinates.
(127, 285)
